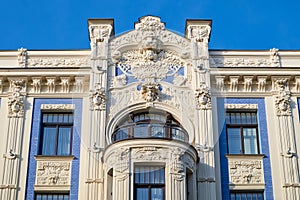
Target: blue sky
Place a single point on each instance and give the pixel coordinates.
(237, 24)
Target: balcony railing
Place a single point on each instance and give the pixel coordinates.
(150, 130)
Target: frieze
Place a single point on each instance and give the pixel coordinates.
(245, 171)
(271, 61)
(57, 107)
(149, 154)
(241, 106)
(50, 173)
(55, 62)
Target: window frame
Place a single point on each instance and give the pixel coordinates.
(243, 126)
(150, 186)
(235, 192)
(57, 126)
(51, 195)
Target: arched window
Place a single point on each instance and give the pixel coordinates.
(149, 124)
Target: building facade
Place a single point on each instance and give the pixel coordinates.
(149, 114)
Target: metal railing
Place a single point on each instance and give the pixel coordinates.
(150, 130)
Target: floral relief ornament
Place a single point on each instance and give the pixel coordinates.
(202, 97)
(97, 99)
(16, 101)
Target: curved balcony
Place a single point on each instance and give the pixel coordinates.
(150, 130)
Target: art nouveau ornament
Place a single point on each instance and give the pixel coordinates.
(16, 100)
(149, 92)
(282, 103)
(202, 97)
(199, 33)
(97, 99)
(22, 57)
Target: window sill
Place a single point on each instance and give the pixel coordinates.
(254, 156)
(48, 158)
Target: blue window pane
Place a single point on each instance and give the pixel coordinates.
(250, 141)
(156, 194)
(64, 139)
(49, 141)
(234, 141)
(142, 194)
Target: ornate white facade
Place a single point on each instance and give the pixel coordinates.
(127, 86)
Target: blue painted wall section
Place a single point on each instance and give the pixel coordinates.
(34, 139)
(263, 138)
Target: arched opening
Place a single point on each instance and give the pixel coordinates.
(149, 124)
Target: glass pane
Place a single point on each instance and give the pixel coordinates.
(60, 117)
(66, 197)
(248, 116)
(253, 118)
(49, 141)
(156, 194)
(234, 141)
(55, 118)
(227, 119)
(64, 139)
(142, 193)
(38, 197)
(232, 196)
(238, 118)
(141, 131)
(71, 118)
(250, 141)
(243, 116)
(260, 196)
(158, 131)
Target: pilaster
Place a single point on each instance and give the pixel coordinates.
(12, 155)
(286, 138)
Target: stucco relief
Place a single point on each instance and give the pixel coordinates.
(245, 171)
(150, 26)
(53, 173)
(16, 99)
(241, 106)
(150, 92)
(263, 61)
(97, 99)
(199, 32)
(22, 57)
(202, 97)
(53, 62)
(283, 97)
(149, 154)
(149, 64)
(57, 107)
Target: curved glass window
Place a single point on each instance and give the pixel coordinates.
(150, 125)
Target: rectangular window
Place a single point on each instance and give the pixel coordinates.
(149, 183)
(56, 134)
(45, 196)
(242, 132)
(249, 195)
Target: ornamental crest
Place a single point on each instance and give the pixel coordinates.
(202, 97)
(97, 99)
